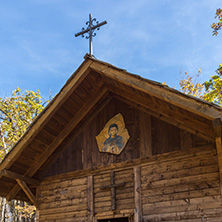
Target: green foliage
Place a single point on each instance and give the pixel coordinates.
(217, 26)
(210, 90)
(16, 113)
(214, 88)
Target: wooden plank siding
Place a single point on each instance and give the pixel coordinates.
(183, 188)
(64, 200)
(148, 136)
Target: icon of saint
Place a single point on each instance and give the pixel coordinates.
(114, 143)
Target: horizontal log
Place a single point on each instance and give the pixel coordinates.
(64, 183)
(180, 173)
(202, 219)
(64, 215)
(185, 202)
(114, 214)
(13, 175)
(102, 209)
(127, 190)
(62, 203)
(61, 191)
(119, 189)
(184, 205)
(191, 191)
(180, 181)
(103, 204)
(146, 198)
(127, 206)
(119, 196)
(123, 174)
(106, 182)
(56, 210)
(178, 216)
(119, 202)
(82, 219)
(112, 186)
(186, 163)
(76, 194)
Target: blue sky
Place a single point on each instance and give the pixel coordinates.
(157, 39)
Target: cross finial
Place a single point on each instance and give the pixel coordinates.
(90, 30)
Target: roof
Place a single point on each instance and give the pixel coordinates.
(88, 86)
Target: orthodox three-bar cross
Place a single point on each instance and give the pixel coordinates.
(90, 30)
(113, 187)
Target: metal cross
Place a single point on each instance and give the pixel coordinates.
(113, 187)
(90, 30)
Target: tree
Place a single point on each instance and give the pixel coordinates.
(214, 87)
(217, 26)
(210, 90)
(16, 114)
(190, 86)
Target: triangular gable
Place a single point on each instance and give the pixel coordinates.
(92, 82)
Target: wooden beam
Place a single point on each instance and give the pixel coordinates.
(12, 175)
(90, 198)
(218, 134)
(112, 185)
(217, 127)
(137, 191)
(27, 191)
(158, 90)
(167, 119)
(115, 214)
(62, 135)
(166, 109)
(47, 113)
(159, 112)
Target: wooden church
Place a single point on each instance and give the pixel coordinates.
(115, 147)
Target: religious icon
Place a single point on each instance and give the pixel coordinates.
(113, 138)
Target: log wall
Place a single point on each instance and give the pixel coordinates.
(184, 189)
(177, 186)
(63, 200)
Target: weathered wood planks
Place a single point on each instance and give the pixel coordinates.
(81, 151)
(177, 188)
(63, 200)
(181, 190)
(137, 193)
